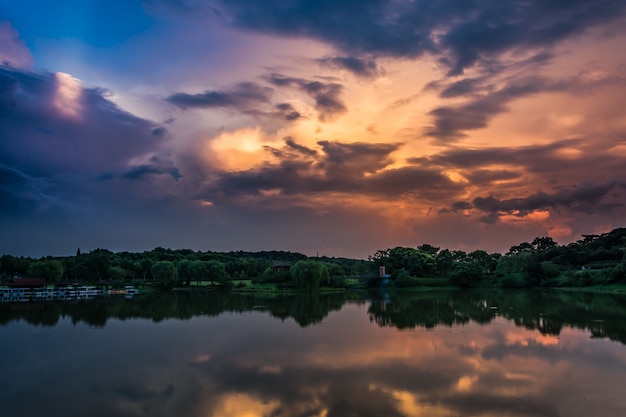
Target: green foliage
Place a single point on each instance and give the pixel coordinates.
(403, 279)
(549, 273)
(335, 268)
(50, 270)
(593, 260)
(117, 273)
(429, 261)
(216, 271)
(272, 276)
(467, 274)
(12, 266)
(183, 268)
(429, 249)
(91, 266)
(444, 262)
(164, 273)
(309, 275)
(513, 280)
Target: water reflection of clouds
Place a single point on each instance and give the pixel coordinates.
(245, 365)
(501, 370)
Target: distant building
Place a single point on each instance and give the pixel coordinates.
(281, 266)
(26, 283)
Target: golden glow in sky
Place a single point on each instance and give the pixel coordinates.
(368, 125)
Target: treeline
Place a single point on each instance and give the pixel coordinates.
(593, 260)
(305, 309)
(168, 268)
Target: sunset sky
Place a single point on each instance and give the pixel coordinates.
(316, 126)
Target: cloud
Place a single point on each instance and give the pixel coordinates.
(585, 198)
(156, 166)
(356, 159)
(491, 28)
(362, 67)
(299, 148)
(462, 87)
(57, 136)
(462, 34)
(242, 96)
(13, 50)
(544, 160)
(247, 98)
(353, 169)
(488, 176)
(451, 121)
(326, 94)
(49, 127)
(287, 112)
(20, 192)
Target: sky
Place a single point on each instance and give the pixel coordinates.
(323, 127)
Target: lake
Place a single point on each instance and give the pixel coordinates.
(470, 353)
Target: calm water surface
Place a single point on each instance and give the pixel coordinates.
(432, 354)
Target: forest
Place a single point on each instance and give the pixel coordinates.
(594, 260)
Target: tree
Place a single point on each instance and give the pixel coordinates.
(49, 269)
(117, 273)
(488, 262)
(523, 247)
(216, 271)
(9, 266)
(165, 273)
(380, 258)
(541, 244)
(512, 270)
(94, 265)
(429, 249)
(183, 268)
(467, 274)
(309, 274)
(418, 263)
(444, 261)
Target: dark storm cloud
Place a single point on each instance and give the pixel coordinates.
(552, 163)
(580, 198)
(585, 197)
(54, 132)
(356, 158)
(460, 88)
(458, 206)
(21, 192)
(425, 183)
(38, 136)
(326, 94)
(549, 160)
(242, 96)
(462, 33)
(362, 67)
(299, 148)
(352, 168)
(287, 112)
(487, 176)
(252, 99)
(451, 121)
(156, 166)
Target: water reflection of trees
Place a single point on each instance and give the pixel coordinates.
(304, 309)
(545, 311)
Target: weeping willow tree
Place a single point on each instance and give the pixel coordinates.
(309, 274)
